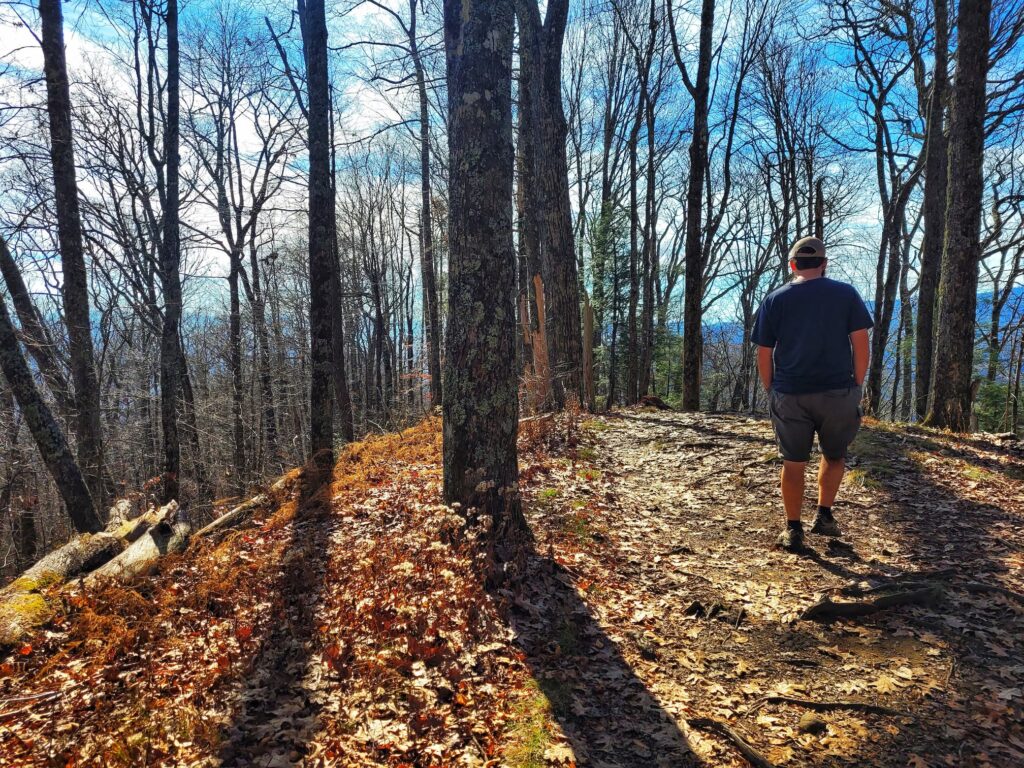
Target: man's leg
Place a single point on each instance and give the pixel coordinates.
(830, 476)
(840, 419)
(794, 430)
(793, 487)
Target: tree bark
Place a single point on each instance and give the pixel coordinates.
(481, 404)
(170, 260)
(74, 285)
(951, 395)
(934, 209)
(52, 445)
(541, 52)
(431, 321)
(693, 297)
(323, 284)
(259, 314)
(37, 339)
(237, 386)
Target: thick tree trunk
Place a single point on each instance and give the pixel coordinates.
(693, 297)
(74, 285)
(53, 447)
(323, 284)
(934, 210)
(951, 396)
(170, 260)
(481, 405)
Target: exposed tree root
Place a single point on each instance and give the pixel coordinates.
(826, 706)
(752, 756)
(925, 580)
(827, 610)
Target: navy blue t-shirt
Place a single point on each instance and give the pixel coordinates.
(809, 323)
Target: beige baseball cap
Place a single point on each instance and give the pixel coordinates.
(807, 246)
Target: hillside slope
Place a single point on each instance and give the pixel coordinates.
(656, 624)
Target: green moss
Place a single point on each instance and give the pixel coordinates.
(20, 612)
(586, 454)
(35, 583)
(595, 425)
(548, 494)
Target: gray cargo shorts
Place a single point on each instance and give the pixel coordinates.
(834, 415)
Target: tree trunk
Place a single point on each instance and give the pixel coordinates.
(53, 447)
(650, 261)
(170, 259)
(934, 210)
(634, 276)
(323, 284)
(481, 405)
(693, 297)
(37, 339)
(907, 319)
(431, 321)
(951, 396)
(235, 344)
(541, 51)
(272, 456)
(74, 285)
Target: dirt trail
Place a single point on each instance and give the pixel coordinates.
(665, 523)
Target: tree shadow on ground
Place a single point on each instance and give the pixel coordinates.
(274, 714)
(610, 717)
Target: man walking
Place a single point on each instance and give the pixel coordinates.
(812, 338)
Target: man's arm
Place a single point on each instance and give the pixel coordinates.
(765, 366)
(861, 354)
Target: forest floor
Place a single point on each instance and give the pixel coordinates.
(656, 624)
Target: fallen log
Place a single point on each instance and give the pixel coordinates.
(24, 604)
(129, 547)
(235, 516)
(169, 534)
(827, 610)
(243, 511)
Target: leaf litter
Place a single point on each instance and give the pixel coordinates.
(654, 625)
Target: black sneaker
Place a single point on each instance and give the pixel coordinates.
(791, 539)
(824, 524)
